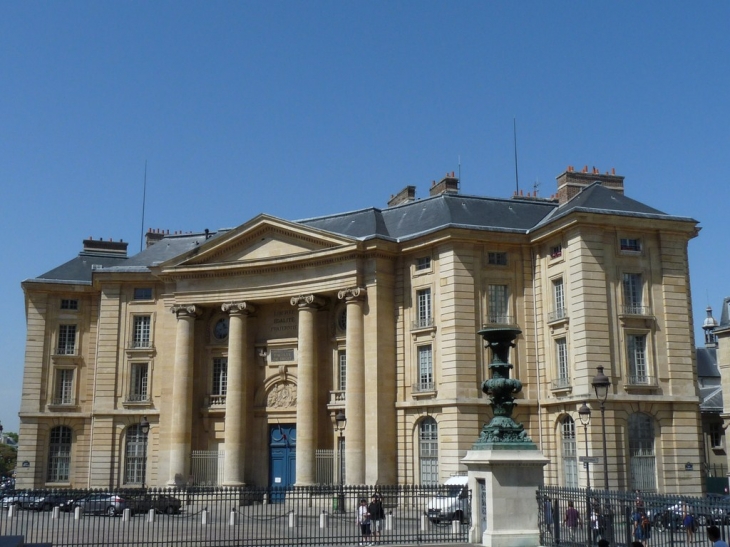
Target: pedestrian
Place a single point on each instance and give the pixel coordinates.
(377, 515)
(689, 524)
(571, 520)
(642, 526)
(363, 519)
(548, 515)
(713, 534)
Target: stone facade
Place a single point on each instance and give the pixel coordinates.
(227, 340)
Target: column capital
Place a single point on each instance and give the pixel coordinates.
(238, 308)
(352, 294)
(186, 310)
(307, 301)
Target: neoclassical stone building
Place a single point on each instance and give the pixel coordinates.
(245, 343)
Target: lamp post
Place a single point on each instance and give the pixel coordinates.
(144, 425)
(340, 423)
(584, 413)
(600, 384)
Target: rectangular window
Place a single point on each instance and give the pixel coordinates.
(633, 245)
(423, 302)
(66, 340)
(425, 368)
(497, 305)
(64, 387)
(561, 356)
(342, 369)
(638, 368)
(556, 252)
(220, 380)
(633, 293)
(59, 454)
(716, 434)
(143, 293)
(558, 299)
(141, 334)
(423, 263)
(69, 304)
(497, 259)
(138, 382)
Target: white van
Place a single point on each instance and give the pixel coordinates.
(452, 503)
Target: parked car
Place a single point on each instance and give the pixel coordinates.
(161, 503)
(452, 503)
(102, 503)
(63, 500)
(23, 500)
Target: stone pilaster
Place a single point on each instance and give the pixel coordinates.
(355, 387)
(182, 394)
(307, 388)
(238, 385)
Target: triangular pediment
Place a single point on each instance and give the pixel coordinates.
(263, 239)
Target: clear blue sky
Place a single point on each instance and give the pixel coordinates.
(299, 109)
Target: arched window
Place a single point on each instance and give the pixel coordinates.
(642, 462)
(429, 451)
(135, 463)
(59, 454)
(570, 462)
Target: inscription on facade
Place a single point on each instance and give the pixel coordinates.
(284, 324)
(282, 355)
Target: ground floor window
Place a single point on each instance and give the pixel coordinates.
(642, 461)
(59, 454)
(135, 456)
(428, 450)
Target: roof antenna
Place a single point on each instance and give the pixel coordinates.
(459, 169)
(514, 130)
(144, 198)
(536, 186)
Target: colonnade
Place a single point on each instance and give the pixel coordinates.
(240, 376)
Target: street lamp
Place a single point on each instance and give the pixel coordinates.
(340, 423)
(600, 384)
(144, 425)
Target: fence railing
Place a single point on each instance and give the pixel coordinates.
(192, 517)
(622, 517)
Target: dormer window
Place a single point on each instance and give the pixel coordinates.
(630, 245)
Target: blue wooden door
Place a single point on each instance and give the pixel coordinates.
(282, 460)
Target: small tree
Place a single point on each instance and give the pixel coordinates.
(8, 459)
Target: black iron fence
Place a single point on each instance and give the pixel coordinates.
(202, 516)
(580, 517)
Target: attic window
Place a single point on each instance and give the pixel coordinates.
(423, 263)
(143, 293)
(557, 251)
(631, 245)
(69, 304)
(497, 259)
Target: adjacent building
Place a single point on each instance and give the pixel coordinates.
(241, 346)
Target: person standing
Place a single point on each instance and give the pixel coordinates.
(689, 524)
(642, 526)
(571, 520)
(377, 515)
(363, 519)
(713, 534)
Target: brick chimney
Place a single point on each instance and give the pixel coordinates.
(447, 185)
(153, 236)
(101, 247)
(407, 195)
(571, 182)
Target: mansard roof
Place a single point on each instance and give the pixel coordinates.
(399, 223)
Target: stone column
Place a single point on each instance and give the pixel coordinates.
(306, 388)
(182, 394)
(237, 403)
(355, 386)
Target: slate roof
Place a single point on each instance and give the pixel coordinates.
(707, 369)
(400, 223)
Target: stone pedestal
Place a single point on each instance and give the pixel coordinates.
(511, 479)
